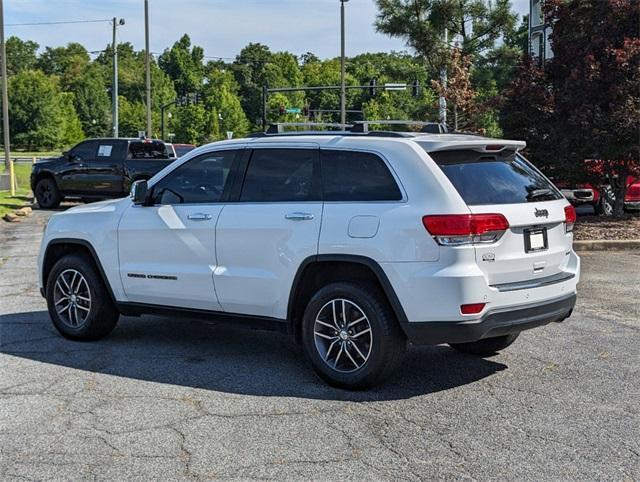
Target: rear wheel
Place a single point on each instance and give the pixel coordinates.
(488, 346)
(78, 301)
(351, 336)
(47, 194)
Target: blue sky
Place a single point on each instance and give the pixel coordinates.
(222, 27)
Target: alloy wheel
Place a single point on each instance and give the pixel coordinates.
(72, 298)
(343, 336)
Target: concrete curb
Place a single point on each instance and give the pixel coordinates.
(607, 245)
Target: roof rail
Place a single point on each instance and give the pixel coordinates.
(427, 127)
(279, 127)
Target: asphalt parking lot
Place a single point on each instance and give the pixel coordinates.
(168, 399)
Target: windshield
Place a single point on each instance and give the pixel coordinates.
(501, 178)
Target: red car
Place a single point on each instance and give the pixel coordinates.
(586, 193)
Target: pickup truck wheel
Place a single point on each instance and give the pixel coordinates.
(78, 301)
(486, 347)
(47, 194)
(351, 336)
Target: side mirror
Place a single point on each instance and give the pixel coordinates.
(139, 190)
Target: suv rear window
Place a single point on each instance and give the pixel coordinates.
(356, 176)
(505, 178)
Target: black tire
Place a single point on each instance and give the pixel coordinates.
(47, 193)
(486, 347)
(101, 316)
(383, 346)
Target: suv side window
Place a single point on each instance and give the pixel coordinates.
(281, 175)
(357, 176)
(85, 151)
(203, 179)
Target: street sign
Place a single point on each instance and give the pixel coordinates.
(395, 86)
(293, 110)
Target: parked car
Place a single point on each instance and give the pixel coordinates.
(97, 169)
(180, 150)
(601, 197)
(352, 243)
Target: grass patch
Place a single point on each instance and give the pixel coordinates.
(9, 203)
(23, 174)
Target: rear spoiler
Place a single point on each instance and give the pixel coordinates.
(480, 145)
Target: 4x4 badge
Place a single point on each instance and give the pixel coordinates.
(541, 213)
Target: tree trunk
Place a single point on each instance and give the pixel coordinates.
(455, 117)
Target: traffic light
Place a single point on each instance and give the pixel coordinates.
(372, 87)
(305, 110)
(281, 109)
(416, 90)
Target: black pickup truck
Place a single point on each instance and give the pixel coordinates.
(97, 169)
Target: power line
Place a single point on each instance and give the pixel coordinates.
(56, 23)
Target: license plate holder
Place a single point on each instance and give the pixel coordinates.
(535, 239)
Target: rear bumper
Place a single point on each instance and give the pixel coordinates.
(494, 323)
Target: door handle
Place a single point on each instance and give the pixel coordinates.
(299, 216)
(199, 217)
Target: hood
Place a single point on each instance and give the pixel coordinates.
(99, 206)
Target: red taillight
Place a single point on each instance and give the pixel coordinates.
(472, 308)
(455, 229)
(569, 218)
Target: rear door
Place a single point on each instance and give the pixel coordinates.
(536, 244)
(271, 227)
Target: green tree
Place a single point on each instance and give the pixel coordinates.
(71, 127)
(184, 65)
(68, 62)
(422, 23)
(193, 124)
(249, 71)
(37, 111)
(133, 117)
(92, 102)
(21, 55)
(222, 100)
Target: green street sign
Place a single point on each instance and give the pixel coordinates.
(293, 110)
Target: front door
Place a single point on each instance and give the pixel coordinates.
(272, 226)
(167, 249)
(104, 173)
(73, 176)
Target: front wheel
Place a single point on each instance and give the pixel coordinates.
(351, 336)
(47, 194)
(79, 304)
(486, 347)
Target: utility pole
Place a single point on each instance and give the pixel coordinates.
(5, 94)
(343, 91)
(148, 65)
(443, 82)
(114, 88)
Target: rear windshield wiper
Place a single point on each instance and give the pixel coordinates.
(538, 193)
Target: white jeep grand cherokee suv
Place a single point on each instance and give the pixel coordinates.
(353, 243)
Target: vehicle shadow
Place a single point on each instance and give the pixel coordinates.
(225, 358)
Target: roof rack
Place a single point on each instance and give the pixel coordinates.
(279, 127)
(427, 127)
